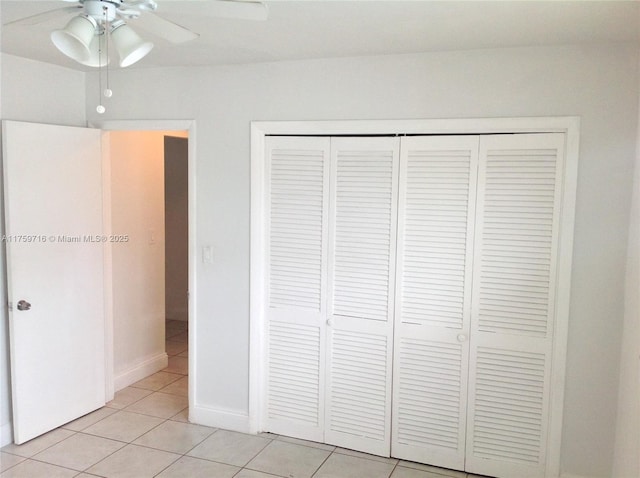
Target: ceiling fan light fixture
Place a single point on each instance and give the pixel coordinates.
(98, 56)
(75, 38)
(128, 43)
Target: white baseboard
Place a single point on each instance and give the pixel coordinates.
(571, 475)
(218, 418)
(6, 434)
(138, 372)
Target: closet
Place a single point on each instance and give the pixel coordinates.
(409, 295)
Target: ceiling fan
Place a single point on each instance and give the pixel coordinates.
(85, 37)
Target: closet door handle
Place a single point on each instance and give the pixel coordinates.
(462, 338)
(330, 322)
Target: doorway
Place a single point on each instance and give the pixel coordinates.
(91, 190)
(176, 247)
(148, 178)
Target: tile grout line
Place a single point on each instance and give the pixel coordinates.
(394, 469)
(254, 456)
(323, 462)
(76, 432)
(46, 448)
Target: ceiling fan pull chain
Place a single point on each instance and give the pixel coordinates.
(107, 92)
(100, 108)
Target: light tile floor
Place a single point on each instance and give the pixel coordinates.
(144, 432)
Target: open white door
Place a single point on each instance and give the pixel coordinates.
(55, 265)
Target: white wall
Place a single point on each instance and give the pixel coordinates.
(598, 83)
(137, 211)
(42, 93)
(627, 450)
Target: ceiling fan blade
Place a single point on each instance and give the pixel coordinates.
(164, 28)
(238, 9)
(45, 16)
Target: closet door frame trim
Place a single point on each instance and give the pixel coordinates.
(569, 125)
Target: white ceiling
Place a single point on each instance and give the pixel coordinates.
(322, 29)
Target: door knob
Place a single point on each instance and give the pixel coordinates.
(23, 305)
(461, 337)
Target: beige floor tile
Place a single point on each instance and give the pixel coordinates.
(244, 473)
(134, 462)
(7, 460)
(183, 336)
(79, 451)
(157, 381)
(231, 448)
(359, 454)
(433, 469)
(175, 348)
(197, 468)
(288, 459)
(38, 444)
(182, 416)
(179, 387)
(36, 469)
(402, 472)
(161, 405)
(170, 332)
(89, 419)
(178, 365)
(123, 426)
(313, 444)
(347, 466)
(125, 397)
(175, 437)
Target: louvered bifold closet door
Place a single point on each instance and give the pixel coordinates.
(515, 261)
(361, 275)
(296, 243)
(433, 302)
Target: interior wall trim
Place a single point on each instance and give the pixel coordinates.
(219, 418)
(137, 372)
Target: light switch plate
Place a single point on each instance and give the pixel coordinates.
(207, 255)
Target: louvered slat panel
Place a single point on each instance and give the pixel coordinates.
(428, 408)
(363, 228)
(435, 230)
(296, 242)
(516, 248)
(434, 246)
(359, 385)
(296, 228)
(517, 241)
(509, 405)
(293, 388)
(362, 243)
